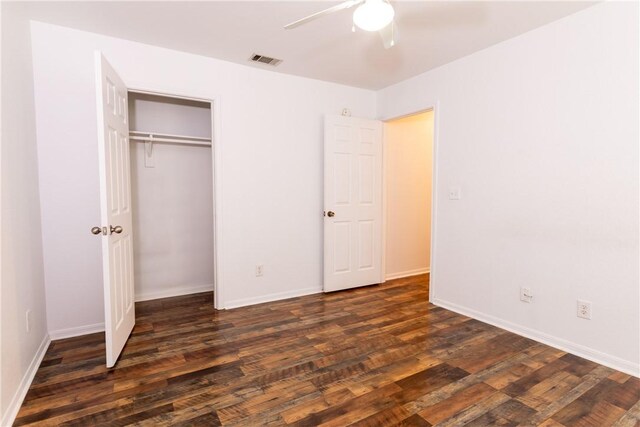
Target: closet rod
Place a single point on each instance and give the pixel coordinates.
(168, 135)
(172, 140)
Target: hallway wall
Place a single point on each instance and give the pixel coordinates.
(408, 169)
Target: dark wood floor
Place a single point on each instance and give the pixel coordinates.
(375, 356)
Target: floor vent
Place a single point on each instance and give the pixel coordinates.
(265, 59)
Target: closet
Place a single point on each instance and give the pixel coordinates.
(172, 195)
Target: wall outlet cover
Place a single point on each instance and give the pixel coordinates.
(584, 309)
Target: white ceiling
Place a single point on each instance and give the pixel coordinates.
(431, 33)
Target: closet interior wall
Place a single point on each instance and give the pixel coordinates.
(172, 198)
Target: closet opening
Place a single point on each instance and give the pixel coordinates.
(172, 195)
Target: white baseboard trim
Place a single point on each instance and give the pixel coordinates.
(76, 331)
(174, 292)
(99, 327)
(14, 406)
(408, 273)
(242, 302)
(605, 359)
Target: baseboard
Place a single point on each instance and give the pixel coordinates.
(408, 273)
(14, 406)
(242, 302)
(174, 292)
(550, 340)
(99, 327)
(76, 331)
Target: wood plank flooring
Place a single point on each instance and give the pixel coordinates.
(374, 356)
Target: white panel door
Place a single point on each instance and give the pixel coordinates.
(115, 201)
(352, 202)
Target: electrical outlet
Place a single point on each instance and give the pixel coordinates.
(526, 295)
(584, 309)
(259, 270)
(27, 324)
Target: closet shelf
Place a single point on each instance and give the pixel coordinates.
(168, 138)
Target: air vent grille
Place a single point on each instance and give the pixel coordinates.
(265, 59)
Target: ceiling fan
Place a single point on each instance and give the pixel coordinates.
(371, 15)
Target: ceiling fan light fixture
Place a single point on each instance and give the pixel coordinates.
(373, 15)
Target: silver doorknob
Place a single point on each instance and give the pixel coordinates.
(331, 214)
(96, 230)
(117, 229)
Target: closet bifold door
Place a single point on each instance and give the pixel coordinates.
(115, 206)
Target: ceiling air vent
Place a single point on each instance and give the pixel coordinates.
(265, 59)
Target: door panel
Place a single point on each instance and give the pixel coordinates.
(353, 191)
(342, 247)
(366, 245)
(342, 179)
(115, 200)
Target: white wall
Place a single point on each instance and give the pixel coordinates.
(541, 134)
(270, 148)
(408, 158)
(172, 201)
(22, 271)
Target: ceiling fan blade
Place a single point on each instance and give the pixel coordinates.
(344, 5)
(389, 35)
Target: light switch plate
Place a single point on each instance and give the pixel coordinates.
(454, 193)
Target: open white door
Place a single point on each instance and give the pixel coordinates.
(115, 201)
(352, 202)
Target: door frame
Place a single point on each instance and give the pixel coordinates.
(434, 192)
(216, 173)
